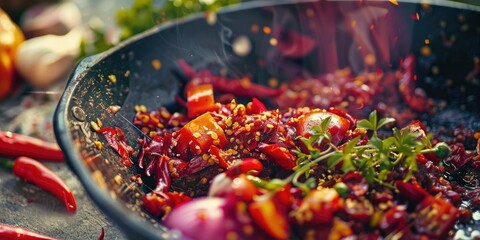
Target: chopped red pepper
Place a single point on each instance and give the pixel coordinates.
(8, 232)
(197, 135)
(200, 99)
(116, 140)
(269, 218)
(160, 204)
(246, 166)
(16, 145)
(280, 156)
(217, 153)
(256, 107)
(32, 171)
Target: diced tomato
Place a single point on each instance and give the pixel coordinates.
(337, 127)
(199, 134)
(200, 99)
(267, 216)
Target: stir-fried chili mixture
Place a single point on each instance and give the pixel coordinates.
(241, 171)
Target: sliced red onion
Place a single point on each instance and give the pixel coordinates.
(211, 218)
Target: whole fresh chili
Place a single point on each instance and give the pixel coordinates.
(9, 232)
(320, 173)
(32, 171)
(16, 145)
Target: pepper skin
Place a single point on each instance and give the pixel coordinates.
(16, 145)
(8, 232)
(32, 171)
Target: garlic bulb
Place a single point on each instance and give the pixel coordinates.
(56, 19)
(45, 59)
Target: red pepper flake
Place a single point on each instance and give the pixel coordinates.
(394, 2)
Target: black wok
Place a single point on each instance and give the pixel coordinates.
(124, 76)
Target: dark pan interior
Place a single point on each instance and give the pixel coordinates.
(124, 76)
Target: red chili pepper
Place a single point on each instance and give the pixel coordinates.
(256, 107)
(102, 235)
(280, 156)
(8, 232)
(240, 87)
(15, 145)
(160, 204)
(246, 165)
(32, 171)
(293, 44)
(350, 118)
(116, 140)
(415, 98)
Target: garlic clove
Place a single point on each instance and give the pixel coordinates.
(44, 60)
(56, 19)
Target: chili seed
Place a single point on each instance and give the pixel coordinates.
(98, 144)
(112, 78)
(95, 126)
(117, 179)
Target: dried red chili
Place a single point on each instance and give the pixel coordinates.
(241, 87)
(8, 232)
(32, 171)
(15, 145)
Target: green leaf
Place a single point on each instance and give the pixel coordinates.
(365, 124)
(382, 176)
(388, 142)
(369, 174)
(377, 143)
(350, 145)
(347, 165)
(373, 119)
(334, 159)
(325, 123)
(385, 121)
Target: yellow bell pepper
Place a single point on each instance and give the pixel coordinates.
(10, 38)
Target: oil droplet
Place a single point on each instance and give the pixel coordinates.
(310, 12)
(156, 64)
(267, 30)
(211, 18)
(254, 28)
(370, 59)
(242, 46)
(273, 82)
(425, 51)
(273, 41)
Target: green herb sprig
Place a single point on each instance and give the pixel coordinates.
(375, 159)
